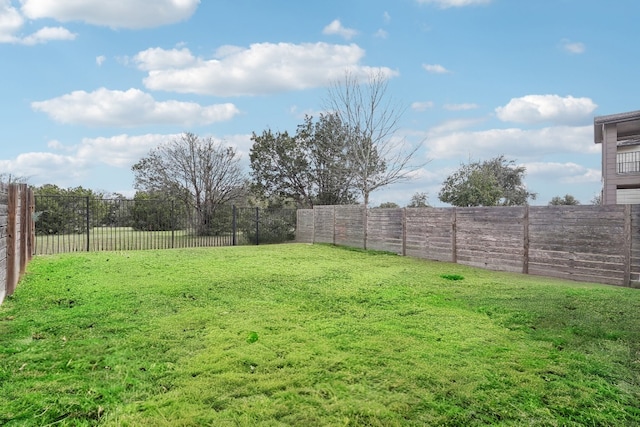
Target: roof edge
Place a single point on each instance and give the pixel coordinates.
(617, 118)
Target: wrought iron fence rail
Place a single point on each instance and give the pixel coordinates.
(80, 224)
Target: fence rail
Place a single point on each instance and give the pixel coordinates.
(76, 224)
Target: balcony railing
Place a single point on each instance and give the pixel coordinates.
(628, 162)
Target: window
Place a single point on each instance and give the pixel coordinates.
(628, 162)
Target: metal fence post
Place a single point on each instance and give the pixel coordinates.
(173, 224)
(257, 226)
(234, 225)
(88, 223)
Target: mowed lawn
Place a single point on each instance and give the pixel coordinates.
(305, 335)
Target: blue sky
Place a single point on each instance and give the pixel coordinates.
(89, 87)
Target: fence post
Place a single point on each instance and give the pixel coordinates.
(234, 241)
(88, 222)
(174, 221)
(627, 245)
(24, 227)
(12, 274)
(454, 237)
(404, 231)
(525, 255)
(257, 226)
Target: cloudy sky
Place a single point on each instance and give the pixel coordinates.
(89, 87)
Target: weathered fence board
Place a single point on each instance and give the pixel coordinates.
(324, 224)
(304, 228)
(429, 233)
(4, 220)
(16, 235)
(385, 230)
(491, 238)
(350, 226)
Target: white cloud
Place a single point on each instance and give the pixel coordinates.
(450, 126)
(263, 68)
(42, 168)
(454, 3)
(564, 173)
(113, 13)
(46, 34)
(121, 150)
(521, 144)
(573, 47)
(460, 107)
(129, 108)
(386, 17)
(435, 69)
(124, 150)
(100, 60)
(381, 34)
(10, 22)
(422, 106)
(336, 28)
(547, 108)
(157, 58)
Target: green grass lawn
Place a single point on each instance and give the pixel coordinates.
(311, 336)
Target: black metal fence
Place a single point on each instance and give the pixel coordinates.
(72, 224)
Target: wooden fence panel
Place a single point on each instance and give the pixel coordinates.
(4, 219)
(350, 226)
(323, 224)
(429, 233)
(584, 243)
(304, 226)
(634, 267)
(491, 238)
(16, 235)
(588, 243)
(385, 230)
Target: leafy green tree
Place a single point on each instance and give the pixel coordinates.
(494, 182)
(280, 168)
(388, 205)
(419, 200)
(326, 141)
(568, 199)
(152, 212)
(65, 211)
(200, 172)
(310, 167)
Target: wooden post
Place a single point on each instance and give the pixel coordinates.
(366, 226)
(404, 231)
(454, 237)
(525, 255)
(24, 227)
(627, 245)
(12, 231)
(333, 218)
(32, 224)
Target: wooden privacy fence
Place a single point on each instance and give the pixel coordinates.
(16, 234)
(588, 243)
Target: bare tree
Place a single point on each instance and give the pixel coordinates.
(377, 156)
(9, 178)
(198, 171)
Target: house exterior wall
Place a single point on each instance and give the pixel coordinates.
(618, 188)
(628, 196)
